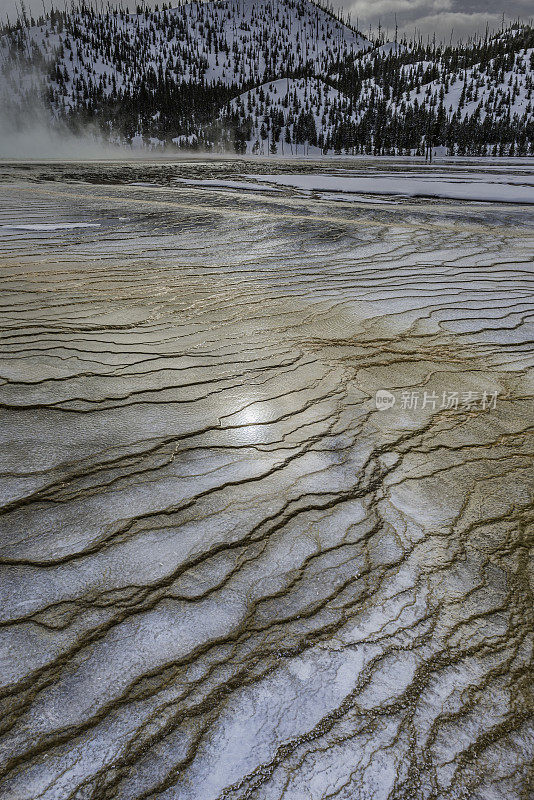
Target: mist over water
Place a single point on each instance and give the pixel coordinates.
(30, 134)
(39, 141)
(227, 571)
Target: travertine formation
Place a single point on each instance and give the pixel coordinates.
(224, 572)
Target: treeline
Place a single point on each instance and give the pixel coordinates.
(377, 132)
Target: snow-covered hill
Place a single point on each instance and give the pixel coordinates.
(269, 76)
(404, 98)
(290, 116)
(231, 42)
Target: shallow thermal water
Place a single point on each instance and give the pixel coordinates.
(225, 573)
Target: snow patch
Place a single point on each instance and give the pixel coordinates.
(476, 188)
(56, 226)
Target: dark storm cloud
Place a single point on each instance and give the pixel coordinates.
(464, 17)
(437, 16)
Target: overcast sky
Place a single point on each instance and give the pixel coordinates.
(463, 17)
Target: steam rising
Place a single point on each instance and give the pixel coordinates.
(30, 133)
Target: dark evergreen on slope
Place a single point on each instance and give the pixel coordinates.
(472, 99)
(274, 76)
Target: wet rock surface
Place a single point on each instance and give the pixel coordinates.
(225, 573)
